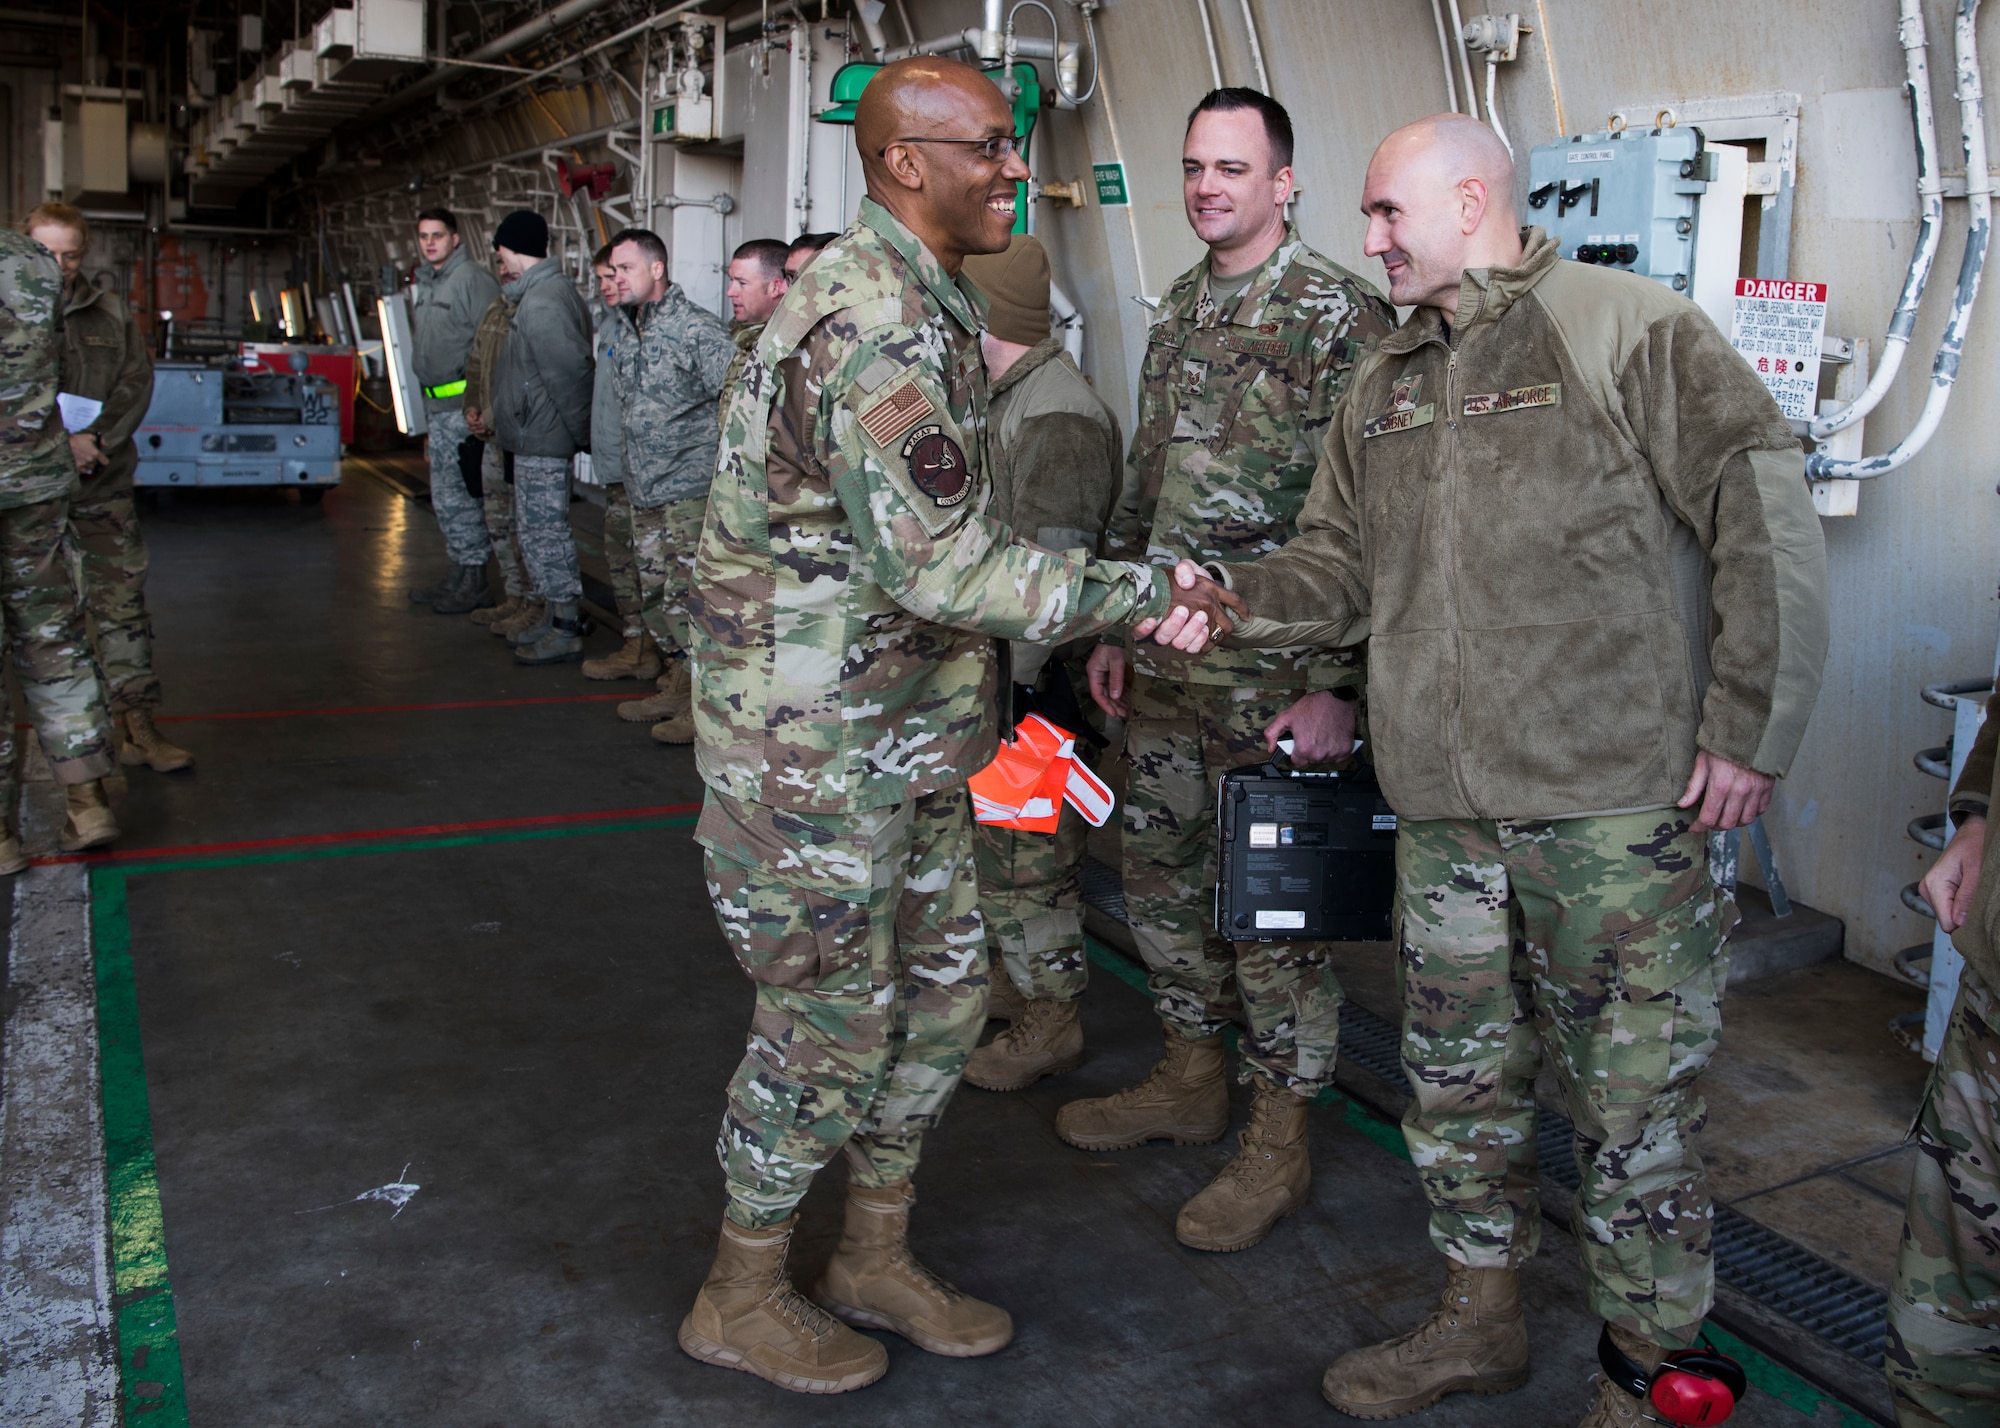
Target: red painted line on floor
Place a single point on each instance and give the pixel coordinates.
(419, 830)
(395, 708)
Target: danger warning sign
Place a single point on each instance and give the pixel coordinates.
(1778, 327)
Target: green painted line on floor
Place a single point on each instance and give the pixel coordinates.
(409, 845)
(1766, 1374)
(142, 1296)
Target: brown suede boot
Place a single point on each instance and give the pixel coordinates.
(530, 613)
(1475, 1341)
(1269, 1176)
(675, 728)
(89, 824)
(1004, 1001)
(873, 1280)
(1046, 1041)
(139, 742)
(506, 610)
(1184, 1100)
(747, 1316)
(635, 659)
(1613, 1407)
(677, 684)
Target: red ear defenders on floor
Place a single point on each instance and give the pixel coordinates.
(1693, 1388)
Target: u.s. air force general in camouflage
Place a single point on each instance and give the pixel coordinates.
(847, 594)
(848, 584)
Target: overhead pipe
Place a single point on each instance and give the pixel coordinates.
(869, 13)
(1208, 34)
(1444, 54)
(1256, 49)
(1464, 61)
(1978, 233)
(1930, 229)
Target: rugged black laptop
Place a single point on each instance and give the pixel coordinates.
(1305, 857)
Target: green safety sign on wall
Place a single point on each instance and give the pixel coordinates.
(1110, 184)
(663, 119)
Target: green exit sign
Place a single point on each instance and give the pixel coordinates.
(1110, 184)
(663, 119)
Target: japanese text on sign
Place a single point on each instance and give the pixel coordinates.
(1778, 327)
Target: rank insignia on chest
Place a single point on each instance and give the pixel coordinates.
(937, 465)
(1403, 413)
(901, 408)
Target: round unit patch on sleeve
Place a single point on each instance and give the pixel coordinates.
(937, 465)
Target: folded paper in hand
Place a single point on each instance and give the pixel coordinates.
(77, 412)
(1029, 780)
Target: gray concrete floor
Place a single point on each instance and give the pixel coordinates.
(537, 1033)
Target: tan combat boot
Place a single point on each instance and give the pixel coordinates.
(1046, 1041)
(13, 857)
(874, 1281)
(634, 660)
(140, 743)
(506, 610)
(1475, 1341)
(1004, 1001)
(747, 1316)
(89, 824)
(1184, 1100)
(530, 613)
(674, 695)
(1613, 1407)
(1269, 1176)
(675, 729)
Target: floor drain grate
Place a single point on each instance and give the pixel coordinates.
(1755, 1261)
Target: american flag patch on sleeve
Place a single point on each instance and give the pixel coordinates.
(900, 409)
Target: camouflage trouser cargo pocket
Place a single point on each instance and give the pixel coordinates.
(785, 936)
(1662, 1011)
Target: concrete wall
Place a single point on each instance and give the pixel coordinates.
(1912, 573)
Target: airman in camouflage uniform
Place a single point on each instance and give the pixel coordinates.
(105, 358)
(1239, 382)
(1943, 1356)
(847, 593)
(669, 375)
(757, 284)
(635, 657)
(42, 615)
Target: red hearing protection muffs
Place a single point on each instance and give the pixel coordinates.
(1693, 1388)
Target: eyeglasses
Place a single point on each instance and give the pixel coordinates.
(994, 150)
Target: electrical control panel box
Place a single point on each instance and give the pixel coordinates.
(1635, 200)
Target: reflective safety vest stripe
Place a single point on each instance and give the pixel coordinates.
(449, 389)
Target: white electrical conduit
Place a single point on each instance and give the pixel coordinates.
(1208, 34)
(1464, 61)
(1930, 228)
(1015, 46)
(869, 13)
(1444, 53)
(1256, 48)
(1493, 108)
(1978, 232)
